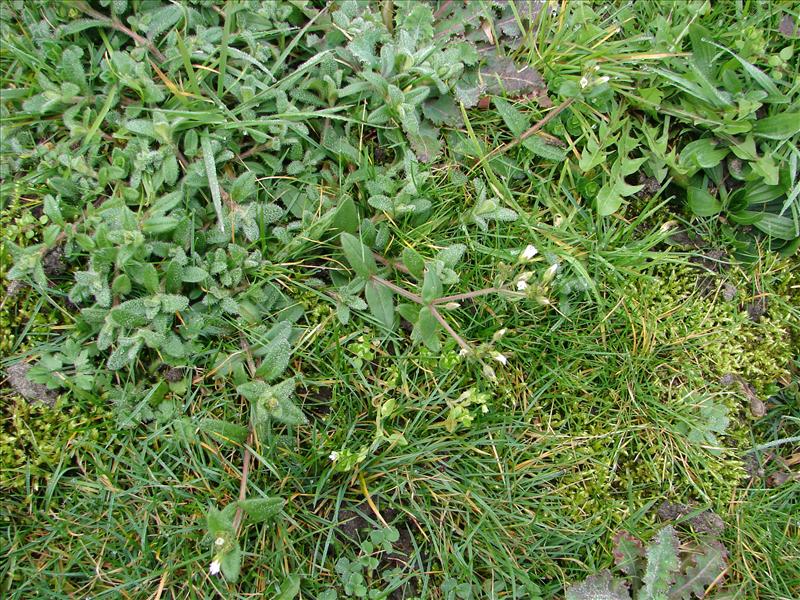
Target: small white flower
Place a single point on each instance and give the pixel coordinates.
(584, 82)
(463, 352)
(484, 409)
(550, 273)
(214, 568)
(219, 541)
(529, 252)
(499, 334)
(334, 456)
(522, 285)
(602, 80)
(500, 358)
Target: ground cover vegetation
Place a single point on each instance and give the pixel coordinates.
(393, 299)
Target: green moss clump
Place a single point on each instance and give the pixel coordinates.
(718, 335)
(35, 438)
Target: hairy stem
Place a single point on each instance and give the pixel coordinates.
(443, 322)
(467, 295)
(116, 24)
(397, 289)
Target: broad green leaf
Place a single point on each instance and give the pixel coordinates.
(702, 203)
(244, 187)
(380, 300)
(425, 330)
(414, 262)
(346, 217)
(358, 255)
(261, 509)
(431, 284)
(541, 148)
(290, 587)
(778, 127)
(231, 563)
(608, 200)
(218, 522)
(516, 122)
(275, 358)
(777, 226)
(225, 431)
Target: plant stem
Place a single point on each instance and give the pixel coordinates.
(443, 322)
(115, 24)
(544, 121)
(392, 264)
(237, 519)
(467, 295)
(397, 289)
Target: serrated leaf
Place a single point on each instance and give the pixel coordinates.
(705, 570)
(628, 553)
(662, 565)
(600, 586)
(442, 111)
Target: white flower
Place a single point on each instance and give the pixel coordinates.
(484, 409)
(463, 352)
(584, 82)
(219, 541)
(334, 456)
(529, 252)
(550, 273)
(522, 285)
(500, 358)
(602, 80)
(214, 568)
(499, 334)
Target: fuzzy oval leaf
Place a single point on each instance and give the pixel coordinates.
(224, 431)
(261, 509)
(380, 300)
(358, 255)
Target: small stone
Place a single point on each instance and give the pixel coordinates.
(729, 292)
(32, 392)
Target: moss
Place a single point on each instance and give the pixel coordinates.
(718, 335)
(35, 438)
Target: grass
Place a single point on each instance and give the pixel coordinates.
(586, 427)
